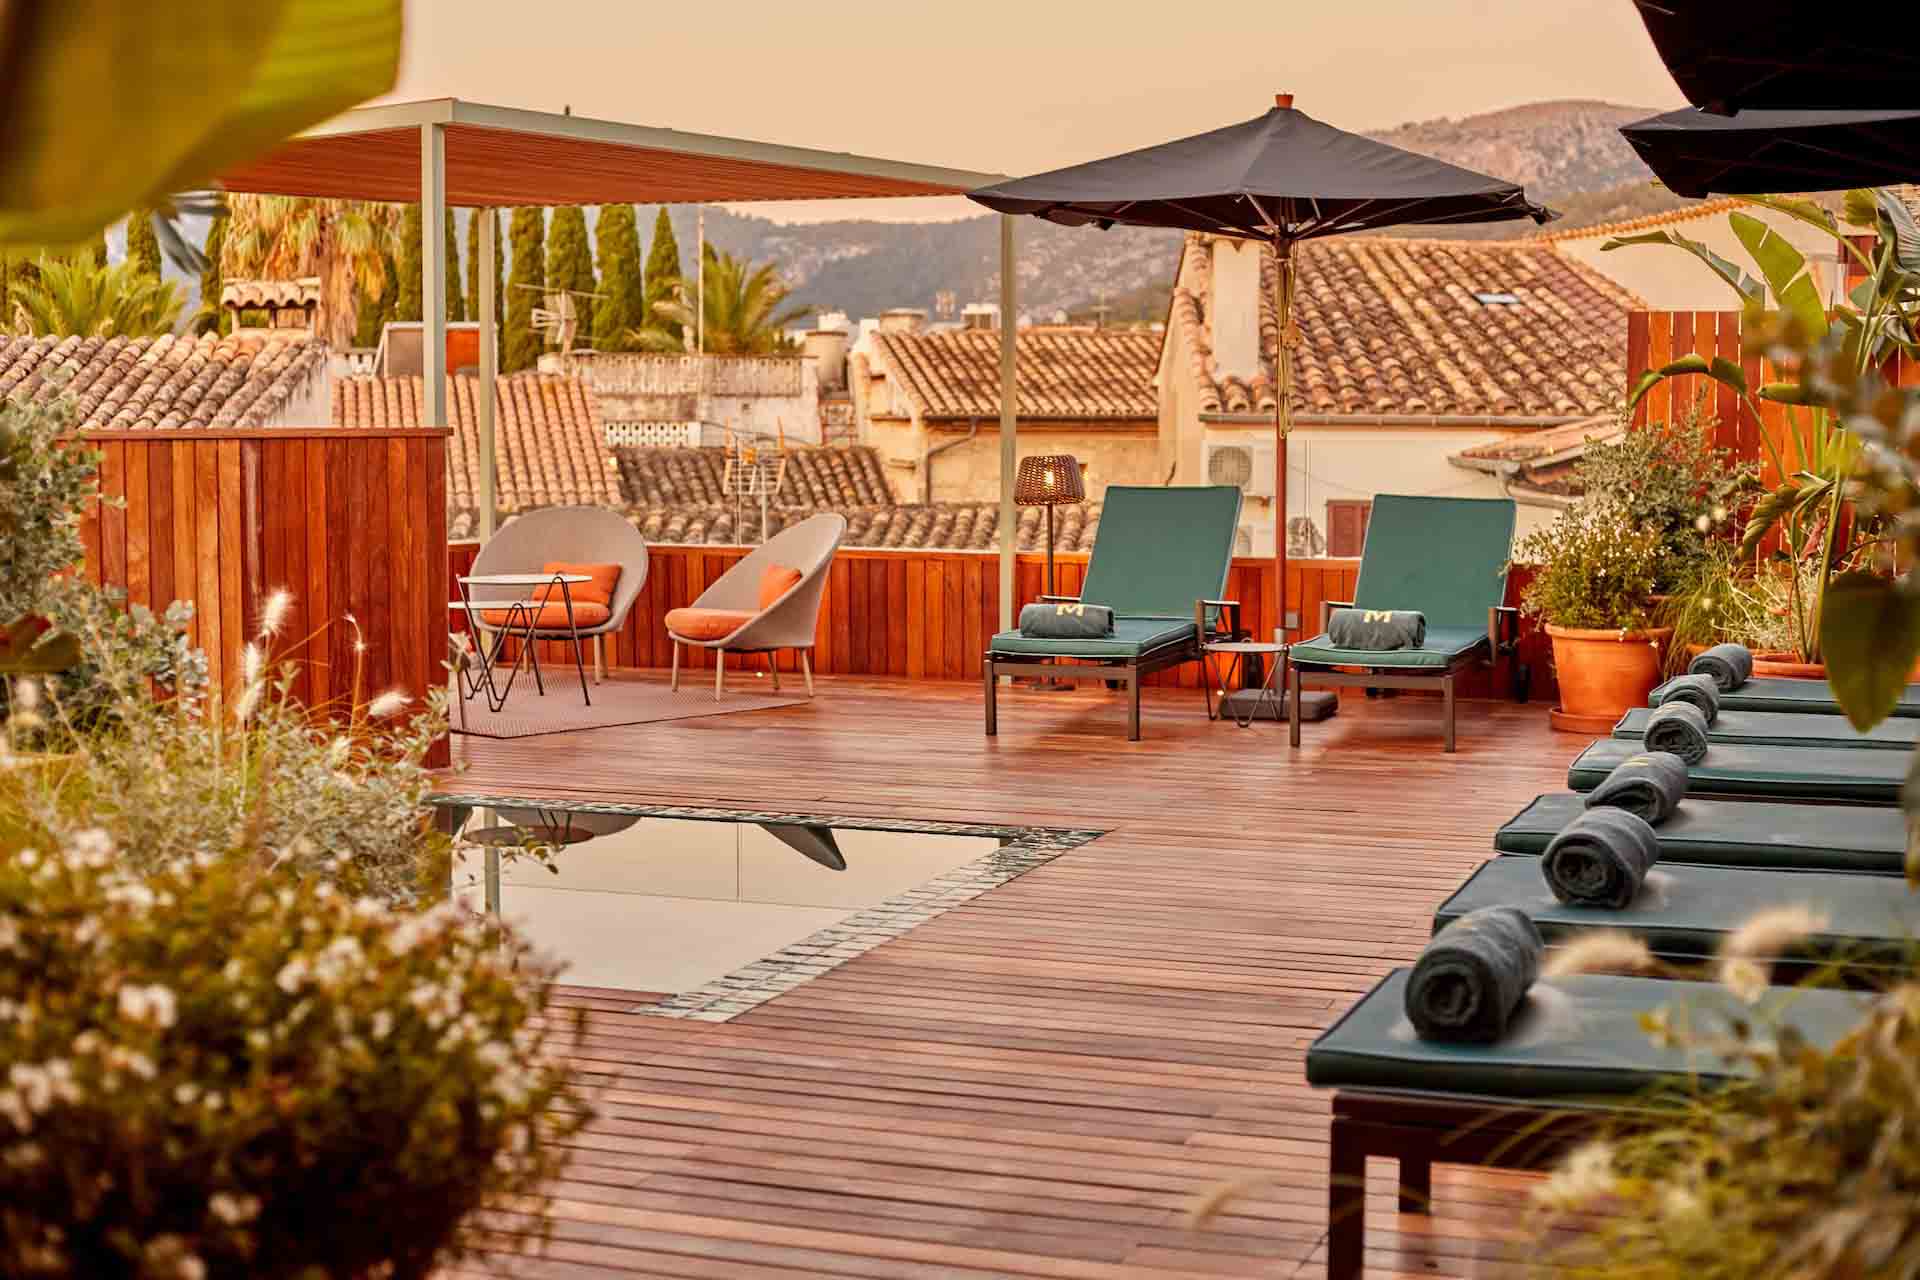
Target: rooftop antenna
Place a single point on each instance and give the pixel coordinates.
(556, 316)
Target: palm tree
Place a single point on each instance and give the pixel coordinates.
(740, 310)
(343, 242)
(76, 297)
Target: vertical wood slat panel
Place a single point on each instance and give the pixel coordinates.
(231, 560)
(186, 526)
(321, 619)
(206, 518)
(1659, 398)
(160, 561)
(137, 529)
(113, 517)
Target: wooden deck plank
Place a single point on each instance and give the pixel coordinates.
(1041, 1082)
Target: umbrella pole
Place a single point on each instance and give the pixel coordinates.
(1282, 420)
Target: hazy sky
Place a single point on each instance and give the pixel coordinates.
(1019, 86)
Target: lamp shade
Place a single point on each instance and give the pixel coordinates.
(1048, 479)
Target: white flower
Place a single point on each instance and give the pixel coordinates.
(382, 1024)
(1704, 523)
(155, 1004)
(390, 703)
(91, 848)
(26, 694)
(233, 1209)
(132, 894)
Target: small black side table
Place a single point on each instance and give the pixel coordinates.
(1237, 652)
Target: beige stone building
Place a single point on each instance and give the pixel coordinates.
(929, 404)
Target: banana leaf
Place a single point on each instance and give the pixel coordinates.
(113, 105)
(1786, 271)
(1719, 368)
(1753, 293)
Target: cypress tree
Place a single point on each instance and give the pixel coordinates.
(407, 305)
(522, 343)
(624, 308)
(143, 247)
(570, 260)
(212, 317)
(456, 300)
(473, 260)
(663, 267)
(499, 288)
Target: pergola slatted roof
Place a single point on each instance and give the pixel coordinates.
(499, 157)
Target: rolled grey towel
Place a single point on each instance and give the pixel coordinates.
(1679, 728)
(1377, 629)
(1730, 665)
(1601, 859)
(1697, 689)
(1473, 976)
(1649, 785)
(1070, 621)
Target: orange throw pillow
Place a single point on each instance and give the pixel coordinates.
(775, 581)
(599, 591)
(705, 624)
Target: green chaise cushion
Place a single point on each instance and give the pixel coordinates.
(1777, 693)
(1742, 833)
(1786, 773)
(1162, 548)
(1583, 1038)
(1445, 647)
(1685, 912)
(1786, 729)
(1131, 638)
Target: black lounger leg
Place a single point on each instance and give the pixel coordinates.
(1416, 1184)
(1446, 693)
(1346, 1204)
(993, 686)
(1292, 675)
(1133, 704)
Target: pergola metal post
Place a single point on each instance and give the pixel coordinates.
(489, 365)
(1009, 420)
(433, 273)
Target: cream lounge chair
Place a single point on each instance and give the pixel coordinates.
(575, 536)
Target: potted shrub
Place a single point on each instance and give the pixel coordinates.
(1594, 585)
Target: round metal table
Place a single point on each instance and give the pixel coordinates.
(1237, 652)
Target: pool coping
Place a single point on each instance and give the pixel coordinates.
(1022, 848)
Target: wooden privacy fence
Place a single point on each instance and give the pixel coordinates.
(1657, 338)
(350, 522)
(929, 614)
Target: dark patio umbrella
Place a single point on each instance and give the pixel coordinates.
(1282, 178)
(1732, 55)
(1697, 153)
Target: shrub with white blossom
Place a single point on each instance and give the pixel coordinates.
(210, 1069)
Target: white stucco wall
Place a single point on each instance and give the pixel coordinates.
(1671, 279)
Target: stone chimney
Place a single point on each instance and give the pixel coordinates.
(902, 320)
(827, 348)
(1235, 313)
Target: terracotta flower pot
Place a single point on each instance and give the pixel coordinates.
(1602, 674)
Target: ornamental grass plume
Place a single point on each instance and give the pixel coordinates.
(1600, 951)
(1745, 963)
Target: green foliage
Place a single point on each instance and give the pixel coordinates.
(1596, 569)
(740, 305)
(212, 317)
(77, 298)
(143, 246)
(570, 255)
(663, 272)
(101, 125)
(408, 263)
(456, 300)
(217, 1070)
(1723, 597)
(347, 244)
(44, 486)
(499, 272)
(372, 314)
(624, 306)
(522, 342)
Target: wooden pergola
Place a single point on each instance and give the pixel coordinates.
(444, 152)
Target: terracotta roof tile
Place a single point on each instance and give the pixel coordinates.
(166, 382)
(963, 526)
(1646, 221)
(271, 293)
(1393, 326)
(833, 476)
(1064, 373)
(549, 446)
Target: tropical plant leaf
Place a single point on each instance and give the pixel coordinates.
(1753, 292)
(113, 106)
(1770, 511)
(1813, 214)
(1719, 368)
(1870, 636)
(1785, 393)
(1786, 271)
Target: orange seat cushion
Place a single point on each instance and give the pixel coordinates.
(599, 591)
(551, 617)
(705, 624)
(775, 581)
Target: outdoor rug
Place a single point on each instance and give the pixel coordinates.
(616, 702)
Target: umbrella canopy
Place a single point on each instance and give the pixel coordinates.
(1697, 153)
(1731, 55)
(1283, 177)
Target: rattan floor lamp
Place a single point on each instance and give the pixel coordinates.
(1048, 480)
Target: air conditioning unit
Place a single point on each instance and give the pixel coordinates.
(1245, 464)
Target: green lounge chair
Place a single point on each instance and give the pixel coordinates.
(1160, 562)
(1779, 693)
(1524, 1102)
(1765, 773)
(1443, 557)
(1685, 912)
(1787, 729)
(1742, 833)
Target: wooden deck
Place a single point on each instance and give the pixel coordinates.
(1042, 1082)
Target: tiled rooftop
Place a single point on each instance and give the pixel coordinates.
(1393, 326)
(164, 383)
(833, 477)
(965, 526)
(1065, 373)
(549, 446)
(1543, 461)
